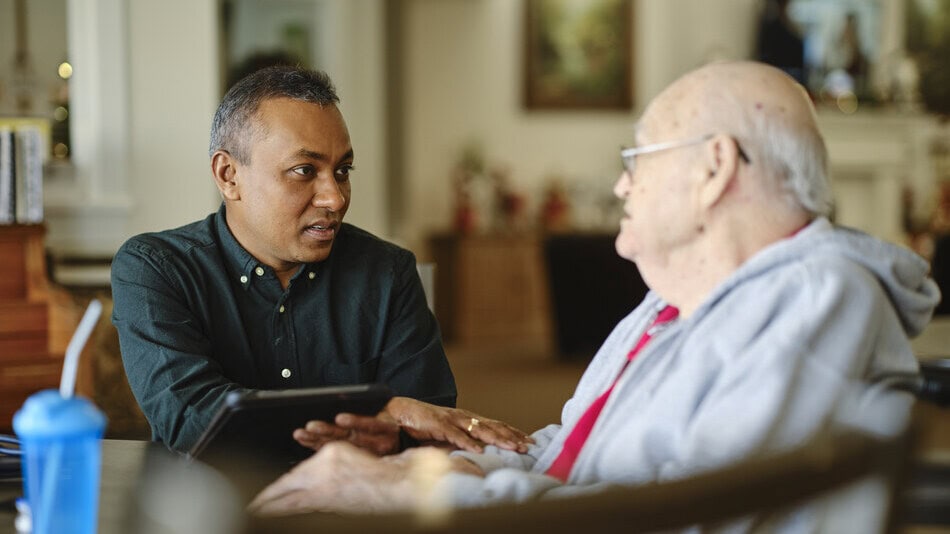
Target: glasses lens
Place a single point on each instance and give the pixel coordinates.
(627, 162)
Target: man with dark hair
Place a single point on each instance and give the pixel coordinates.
(274, 291)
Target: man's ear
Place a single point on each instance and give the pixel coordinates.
(720, 164)
(224, 172)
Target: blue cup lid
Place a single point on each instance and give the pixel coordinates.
(47, 414)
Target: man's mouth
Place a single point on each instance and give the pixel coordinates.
(323, 231)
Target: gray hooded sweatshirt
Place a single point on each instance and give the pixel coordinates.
(764, 364)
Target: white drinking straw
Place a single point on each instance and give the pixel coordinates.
(67, 386)
(67, 383)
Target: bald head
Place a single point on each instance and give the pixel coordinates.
(769, 114)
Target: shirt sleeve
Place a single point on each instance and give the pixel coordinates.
(164, 350)
(413, 362)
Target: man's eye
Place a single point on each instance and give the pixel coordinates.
(343, 172)
(303, 170)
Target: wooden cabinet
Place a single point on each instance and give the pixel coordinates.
(26, 364)
(491, 290)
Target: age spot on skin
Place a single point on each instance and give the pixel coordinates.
(758, 105)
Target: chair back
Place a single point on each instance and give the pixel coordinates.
(764, 487)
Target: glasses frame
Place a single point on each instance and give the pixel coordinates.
(628, 154)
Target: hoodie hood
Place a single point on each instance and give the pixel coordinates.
(902, 274)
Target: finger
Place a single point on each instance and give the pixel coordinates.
(264, 502)
(518, 434)
(326, 430)
(290, 502)
(461, 439)
(500, 427)
(367, 424)
(309, 440)
(464, 465)
(378, 444)
(500, 434)
(284, 486)
(376, 436)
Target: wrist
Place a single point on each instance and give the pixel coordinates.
(398, 408)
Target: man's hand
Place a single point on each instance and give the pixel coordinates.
(452, 427)
(427, 423)
(343, 478)
(339, 478)
(379, 434)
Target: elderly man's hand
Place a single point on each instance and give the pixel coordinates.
(343, 478)
(437, 425)
(339, 478)
(379, 434)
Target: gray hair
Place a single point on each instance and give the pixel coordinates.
(791, 151)
(232, 126)
(794, 152)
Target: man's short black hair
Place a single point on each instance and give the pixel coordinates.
(233, 125)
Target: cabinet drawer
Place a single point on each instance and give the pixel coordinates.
(22, 378)
(21, 317)
(13, 281)
(23, 329)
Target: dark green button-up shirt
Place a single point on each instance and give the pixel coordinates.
(199, 317)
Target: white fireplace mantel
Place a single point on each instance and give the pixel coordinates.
(874, 156)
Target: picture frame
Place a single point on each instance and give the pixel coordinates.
(578, 54)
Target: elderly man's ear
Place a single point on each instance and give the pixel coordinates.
(223, 170)
(720, 165)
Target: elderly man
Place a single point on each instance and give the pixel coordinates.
(760, 315)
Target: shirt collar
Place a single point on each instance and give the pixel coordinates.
(242, 265)
(239, 262)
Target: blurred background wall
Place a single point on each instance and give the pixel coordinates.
(425, 84)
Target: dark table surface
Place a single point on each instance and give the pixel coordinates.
(145, 488)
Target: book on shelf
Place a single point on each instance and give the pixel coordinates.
(7, 176)
(29, 176)
(22, 154)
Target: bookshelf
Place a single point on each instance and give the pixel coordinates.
(26, 364)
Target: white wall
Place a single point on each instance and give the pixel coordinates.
(146, 86)
(354, 39)
(348, 43)
(174, 89)
(464, 84)
(147, 169)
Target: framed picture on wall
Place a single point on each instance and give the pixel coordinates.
(578, 54)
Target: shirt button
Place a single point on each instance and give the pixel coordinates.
(259, 271)
(311, 275)
(281, 309)
(285, 373)
(243, 279)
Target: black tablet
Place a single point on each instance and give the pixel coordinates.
(257, 427)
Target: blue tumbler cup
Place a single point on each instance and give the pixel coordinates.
(61, 440)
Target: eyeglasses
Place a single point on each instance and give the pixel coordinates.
(628, 155)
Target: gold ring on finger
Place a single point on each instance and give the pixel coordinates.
(472, 424)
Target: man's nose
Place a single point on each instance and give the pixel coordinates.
(622, 187)
(328, 194)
